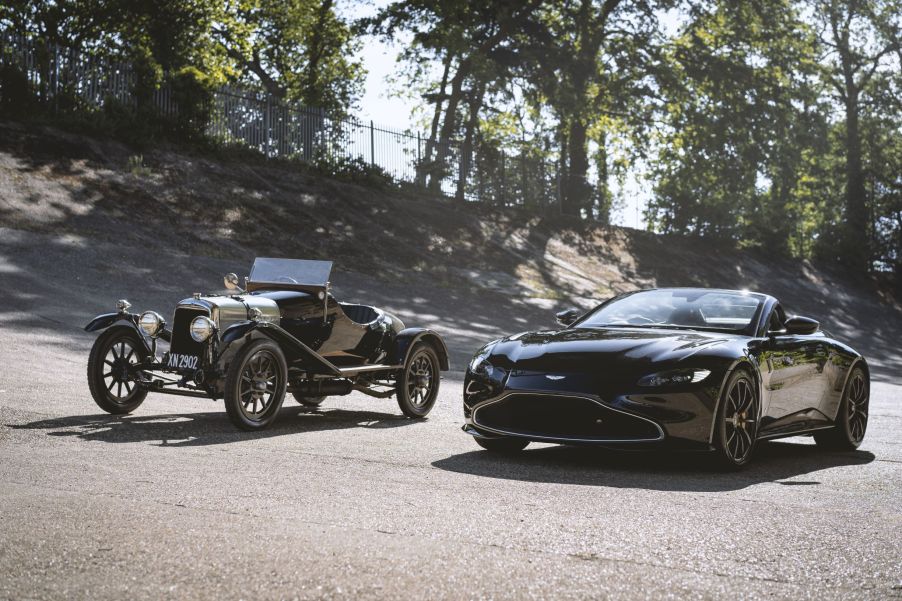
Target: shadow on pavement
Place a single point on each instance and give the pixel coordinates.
(652, 470)
(210, 428)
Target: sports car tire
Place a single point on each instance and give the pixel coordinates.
(308, 401)
(736, 424)
(417, 386)
(502, 445)
(113, 351)
(255, 385)
(852, 417)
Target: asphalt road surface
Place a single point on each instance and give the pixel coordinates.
(354, 501)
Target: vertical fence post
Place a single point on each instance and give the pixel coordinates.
(503, 180)
(266, 127)
(419, 168)
(372, 145)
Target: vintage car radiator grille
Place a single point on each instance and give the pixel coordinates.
(561, 417)
(182, 342)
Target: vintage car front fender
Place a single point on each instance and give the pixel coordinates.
(102, 322)
(292, 347)
(407, 338)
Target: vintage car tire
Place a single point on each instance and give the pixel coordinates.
(106, 350)
(255, 364)
(734, 443)
(308, 401)
(852, 417)
(418, 383)
(507, 444)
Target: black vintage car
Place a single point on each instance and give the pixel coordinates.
(690, 368)
(283, 332)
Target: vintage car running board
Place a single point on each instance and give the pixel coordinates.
(353, 371)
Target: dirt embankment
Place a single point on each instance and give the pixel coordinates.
(481, 268)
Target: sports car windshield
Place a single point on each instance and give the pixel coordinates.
(290, 271)
(680, 308)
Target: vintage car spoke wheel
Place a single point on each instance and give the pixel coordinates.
(737, 421)
(507, 444)
(852, 417)
(255, 385)
(417, 386)
(111, 370)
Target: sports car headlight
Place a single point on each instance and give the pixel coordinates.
(675, 377)
(480, 365)
(150, 323)
(201, 328)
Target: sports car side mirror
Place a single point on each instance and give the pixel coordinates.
(800, 325)
(567, 316)
(231, 282)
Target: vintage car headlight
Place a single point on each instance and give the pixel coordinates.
(675, 377)
(201, 328)
(150, 323)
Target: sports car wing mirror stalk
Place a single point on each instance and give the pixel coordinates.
(284, 334)
(567, 316)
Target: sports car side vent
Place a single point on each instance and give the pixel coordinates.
(562, 418)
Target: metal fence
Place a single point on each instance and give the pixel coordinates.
(277, 129)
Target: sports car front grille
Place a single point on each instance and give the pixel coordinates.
(562, 417)
(182, 342)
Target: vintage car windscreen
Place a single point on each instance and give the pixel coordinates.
(290, 271)
(681, 308)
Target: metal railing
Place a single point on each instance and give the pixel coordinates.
(279, 129)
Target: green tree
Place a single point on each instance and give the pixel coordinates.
(859, 45)
(739, 111)
(297, 50)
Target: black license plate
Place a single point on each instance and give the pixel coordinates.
(182, 361)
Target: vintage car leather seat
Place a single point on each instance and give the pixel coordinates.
(362, 314)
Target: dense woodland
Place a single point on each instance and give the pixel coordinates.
(771, 123)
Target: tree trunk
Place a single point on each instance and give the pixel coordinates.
(448, 125)
(466, 151)
(602, 209)
(436, 118)
(856, 248)
(312, 95)
(576, 188)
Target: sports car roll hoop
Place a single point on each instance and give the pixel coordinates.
(687, 367)
(283, 332)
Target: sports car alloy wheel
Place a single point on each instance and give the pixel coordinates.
(111, 370)
(738, 421)
(852, 417)
(417, 388)
(857, 408)
(255, 385)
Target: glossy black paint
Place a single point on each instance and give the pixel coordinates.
(800, 374)
(320, 338)
(408, 337)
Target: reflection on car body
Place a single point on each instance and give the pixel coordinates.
(685, 367)
(284, 332)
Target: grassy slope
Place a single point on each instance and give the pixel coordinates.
(59, 183)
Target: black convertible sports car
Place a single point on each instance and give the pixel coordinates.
(283, 332)
(689, 367)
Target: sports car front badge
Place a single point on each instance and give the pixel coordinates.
(553, 377)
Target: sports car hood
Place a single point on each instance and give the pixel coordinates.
(589, 350)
